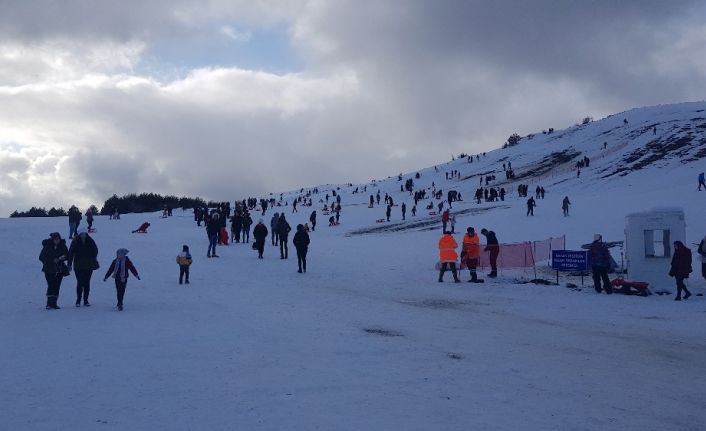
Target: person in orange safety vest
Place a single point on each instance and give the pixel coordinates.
(470, 253)
(448, 256)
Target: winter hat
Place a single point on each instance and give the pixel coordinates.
(122, 252)
(597, 237)
(470, 230)
(55, 235)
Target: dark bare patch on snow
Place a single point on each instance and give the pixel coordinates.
(382, 332)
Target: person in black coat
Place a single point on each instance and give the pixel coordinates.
(213, 227)
(530, 206)
(493, 247)
(312, 219)
(83, 256)
(89, 219)
(235, 226)
(301, 243)
(681, 268)
(53, 257)
(600, 259)
(388, 212)
(260, 233)
(283, 229)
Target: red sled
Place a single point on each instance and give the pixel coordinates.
(142, 229)
(223, 237)
(631, 287)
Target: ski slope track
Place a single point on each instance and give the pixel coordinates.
(368, 339)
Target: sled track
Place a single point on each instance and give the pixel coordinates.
(428, 223)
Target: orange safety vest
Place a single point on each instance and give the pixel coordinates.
(471, 246)
(447, 249)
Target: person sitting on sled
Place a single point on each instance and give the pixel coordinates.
(142, 229)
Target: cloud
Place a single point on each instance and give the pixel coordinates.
(383, 87)
(234, 34)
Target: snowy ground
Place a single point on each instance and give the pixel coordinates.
(253, 345)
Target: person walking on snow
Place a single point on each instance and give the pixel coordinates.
(681, 268)
(702, 181)
(53, 257)
(530, 206)
(301, 243)
(119, 269)
(388, 212)
(83, 256)
(89, 220)
(273, 225)
(565, 206)
(404, 210)
(283, 230)
(600, 259)
(260, 233)
(470, 253)
(492, 246)
(452, 222)
(312, 220)
(184, 261)
(448, 256)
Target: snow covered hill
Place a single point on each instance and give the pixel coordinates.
(368, 339)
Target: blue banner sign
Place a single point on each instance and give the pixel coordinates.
(569, 260)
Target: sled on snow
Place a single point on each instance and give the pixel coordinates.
(223, 237)
(142, 229)
(626, 287)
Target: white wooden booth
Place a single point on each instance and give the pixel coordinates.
(649, 239)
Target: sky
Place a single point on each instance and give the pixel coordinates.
(235, 98)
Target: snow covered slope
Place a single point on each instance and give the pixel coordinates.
(368, 339)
